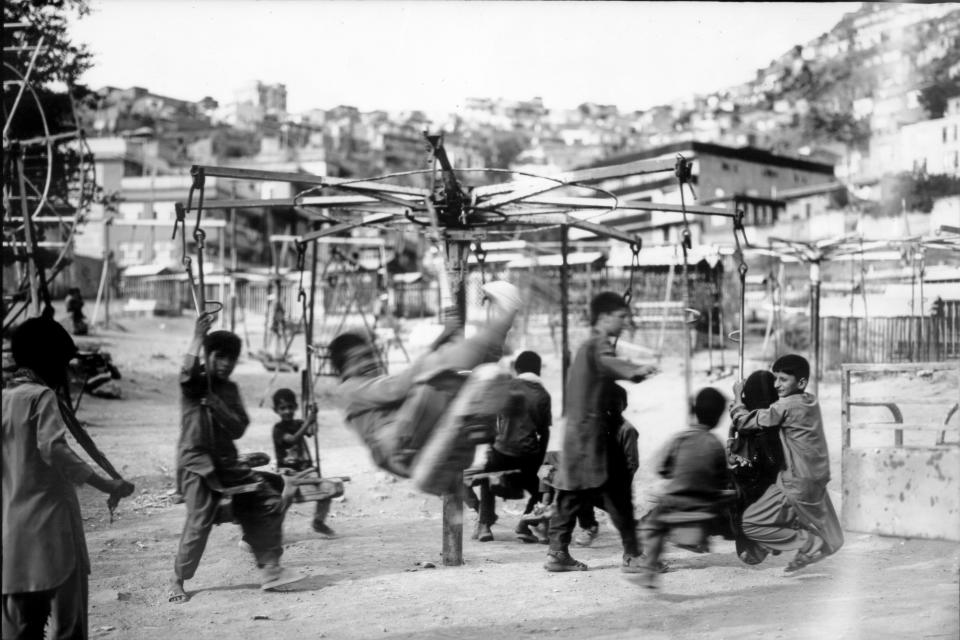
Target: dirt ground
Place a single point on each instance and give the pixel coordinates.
(382, 576)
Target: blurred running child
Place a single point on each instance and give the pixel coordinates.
(521, 442)
(695, 465)
(45, 562)
(588, 471)
(795, 512)
(397, 414)
(213, 417)
(291, 450)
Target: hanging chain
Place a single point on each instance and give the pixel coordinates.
(634, 267)
(683, 171)
(301, 263)
(738, 233)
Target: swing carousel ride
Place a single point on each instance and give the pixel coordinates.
(451, 214)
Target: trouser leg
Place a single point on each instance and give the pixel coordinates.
(321, 511)
(529, 481)
(25, 614)
(69, 617)
(261, 516)
(586, 516)
(618, 503)
(653, 533)
(488, 504)
(201, 506)
(771, 522)
(567, 503)
(486, 345)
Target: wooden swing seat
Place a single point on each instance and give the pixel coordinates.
(308, 486)
(473, 477)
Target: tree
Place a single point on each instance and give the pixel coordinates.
(60, 59)
(44, 101)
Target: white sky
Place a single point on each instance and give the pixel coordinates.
(430, 55)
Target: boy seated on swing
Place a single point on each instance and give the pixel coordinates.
(291, 450)
(208, 465)
(395, 415)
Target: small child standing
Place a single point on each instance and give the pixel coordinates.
(625, 453)
(291, 450)
(795, 512)
(695, 465)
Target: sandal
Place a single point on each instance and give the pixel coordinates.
(811, 552)
(176, 594)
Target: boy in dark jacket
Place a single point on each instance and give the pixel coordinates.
(695, 464)
(520, 443)
(207, 463)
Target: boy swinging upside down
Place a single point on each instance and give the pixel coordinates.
(424, 422)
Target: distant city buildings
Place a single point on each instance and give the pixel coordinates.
(818, 128)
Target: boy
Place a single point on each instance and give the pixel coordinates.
(212, 418)
(396, 414)
(291, 451)
(795, 512)
(695, 464)
(625, 435)
(588, 472)
(520, 444)
(45, 562)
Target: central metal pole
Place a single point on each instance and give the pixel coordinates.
(453, 502)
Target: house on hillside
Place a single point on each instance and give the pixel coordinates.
(746, 177)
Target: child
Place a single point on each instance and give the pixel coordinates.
(213, 417)
(396, 414)
(695, 464)
(75, 309)
(45, 562)
(521, 444)
(795, 512)
(624, 434)
(755, 459)
(291, 451)
(588, 472)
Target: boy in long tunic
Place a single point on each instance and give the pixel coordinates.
(396, 414)
(795, 512)
(45, 562)
(212, 418)
(585, 475)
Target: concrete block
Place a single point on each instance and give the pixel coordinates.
(902, 491)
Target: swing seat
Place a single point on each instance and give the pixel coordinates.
(225, 514)
(690, 529)
(308, 486)
(501, 482)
